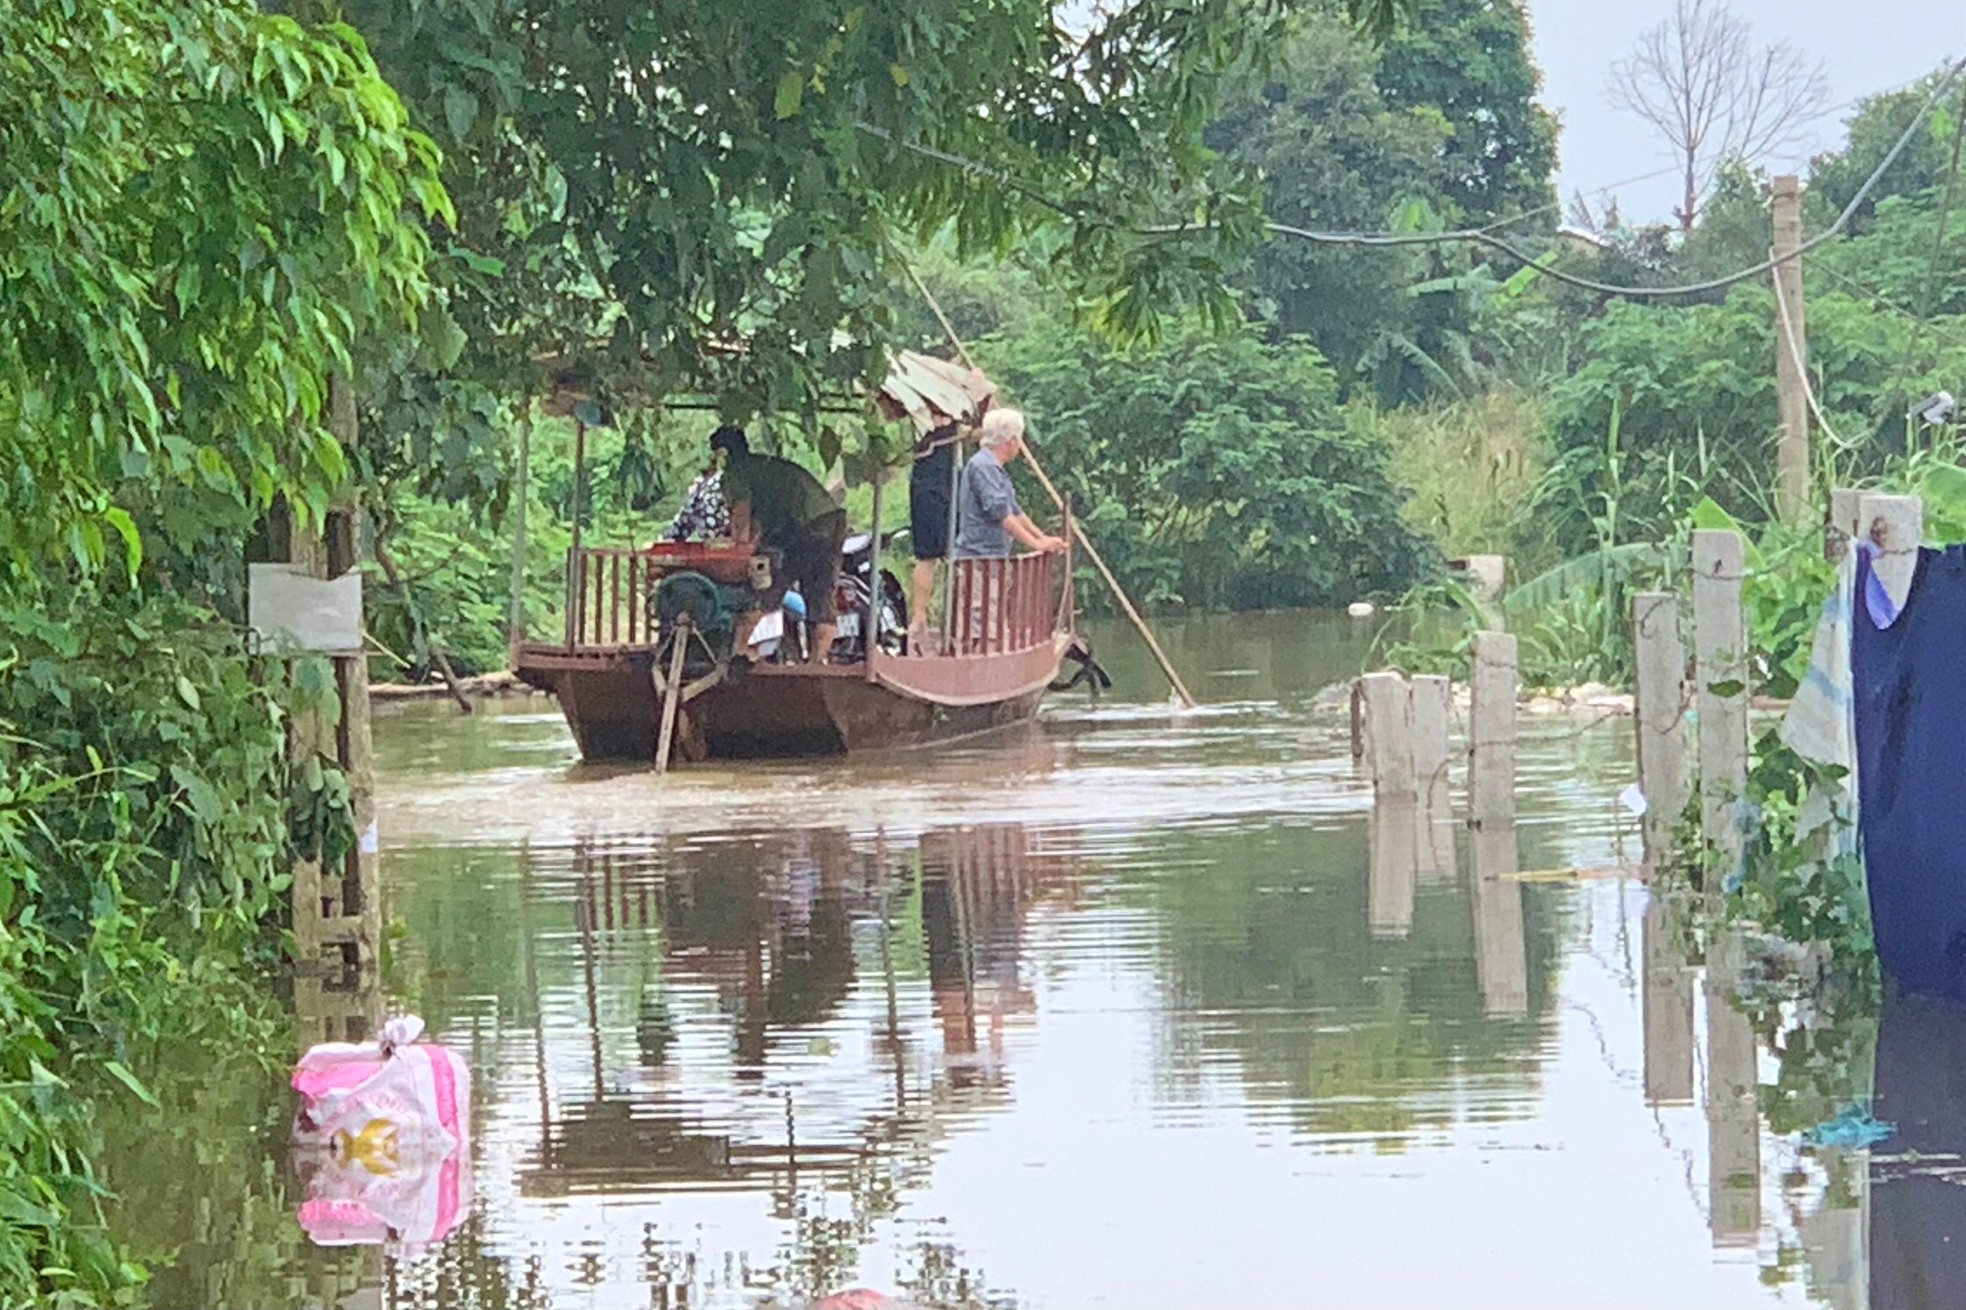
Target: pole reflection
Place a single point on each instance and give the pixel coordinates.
(1395, 837)
(1501, 961)
(716, 995)
(1733, 1114)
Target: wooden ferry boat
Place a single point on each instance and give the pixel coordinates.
(612, 674)
(635, 688)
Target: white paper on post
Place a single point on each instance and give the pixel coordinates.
(288, 608)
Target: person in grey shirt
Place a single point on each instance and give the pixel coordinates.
(988, 516)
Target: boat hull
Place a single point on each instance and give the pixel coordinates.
(780, 711)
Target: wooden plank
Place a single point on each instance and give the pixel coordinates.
(1492, 731)
(1659, 721)
(1000, 607)
(1388, 706)
(1721, 694)
(355, 746)
(672, 694)
(637, 598)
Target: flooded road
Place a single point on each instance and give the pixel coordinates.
(1135, 1009)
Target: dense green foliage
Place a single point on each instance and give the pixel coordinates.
(655, 187)
(1437, 127)
(202, 206)
(1220, 468)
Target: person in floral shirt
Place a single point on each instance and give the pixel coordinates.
(705, 513)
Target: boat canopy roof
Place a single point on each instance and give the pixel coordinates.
(933, 392)
(928, 391)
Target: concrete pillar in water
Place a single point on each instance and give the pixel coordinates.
(1501, 959)
(1386, 710)
(1660, 718)
(1836, 1235)
(1720, 673)
(1433, 711)
(1668, 1002)
(1491, 734)
(1733, 1109)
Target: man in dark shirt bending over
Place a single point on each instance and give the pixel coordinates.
(987, 513)
(776, 503)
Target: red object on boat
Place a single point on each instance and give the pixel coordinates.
(721, 561)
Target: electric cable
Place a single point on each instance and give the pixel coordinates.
(1482, 236)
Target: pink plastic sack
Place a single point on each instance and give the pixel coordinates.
(382, 1139)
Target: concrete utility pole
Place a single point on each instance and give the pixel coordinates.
(1791, 355)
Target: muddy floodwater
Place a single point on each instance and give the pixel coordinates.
(1136, 1009)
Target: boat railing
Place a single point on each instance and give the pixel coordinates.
(1000, 605)
(607, 599)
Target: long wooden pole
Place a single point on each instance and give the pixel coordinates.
(1119, 592)
(672, 694)
(870, 622)
(1058, 501)
(515, 613)
(576, 578)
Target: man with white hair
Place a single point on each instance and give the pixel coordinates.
(987, 513)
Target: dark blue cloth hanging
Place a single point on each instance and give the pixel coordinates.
(1909, 684)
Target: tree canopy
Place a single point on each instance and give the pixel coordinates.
(705, 196)
(201, 206)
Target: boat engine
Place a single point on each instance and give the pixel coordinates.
(710, 606)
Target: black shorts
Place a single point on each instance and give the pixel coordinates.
(812, 561)
(928, 502)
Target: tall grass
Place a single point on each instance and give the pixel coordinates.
(1469, 465)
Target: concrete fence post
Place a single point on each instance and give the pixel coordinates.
(1386, 708)
(1491, 735)
(1660, 718)
(1720, 672)
(1433, 712)
(1843, 528)
(1894, 526)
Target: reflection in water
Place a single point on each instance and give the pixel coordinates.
(1733, 1121)
(1668, 1000)
(381, 1140)
(1497, 898)
(1918, 1186)
(1152, 1015)
(753, 943)
(1396, 834)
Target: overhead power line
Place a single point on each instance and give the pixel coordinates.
(1482, 236)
